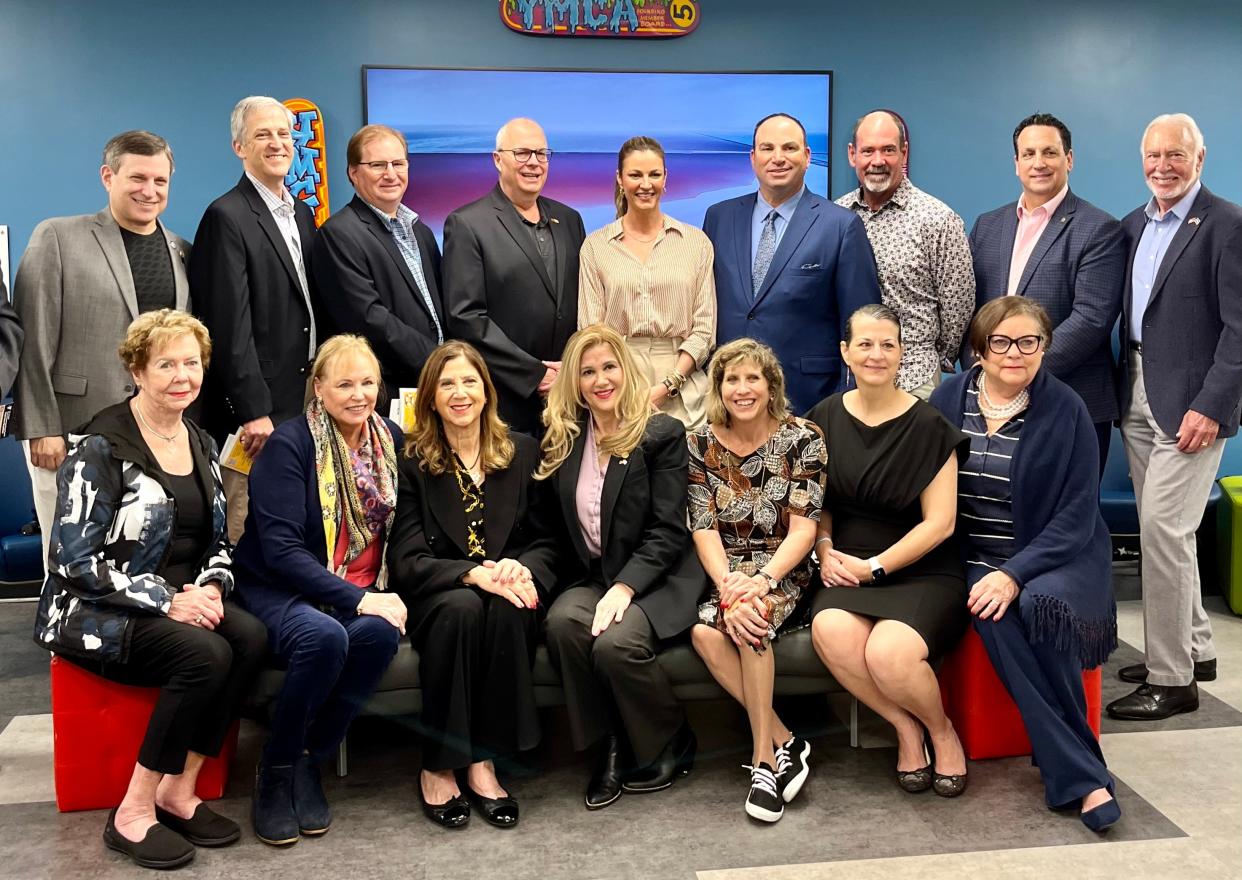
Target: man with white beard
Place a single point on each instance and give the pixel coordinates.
(921, 252)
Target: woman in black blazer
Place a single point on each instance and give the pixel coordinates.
(631, 574)
(474, 567)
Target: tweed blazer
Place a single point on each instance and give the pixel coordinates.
(75, 296)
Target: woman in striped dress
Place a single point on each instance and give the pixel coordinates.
(1036, 545)
(649, 277)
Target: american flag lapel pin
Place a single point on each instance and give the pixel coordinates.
(1193, 221)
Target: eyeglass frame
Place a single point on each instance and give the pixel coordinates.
(1038, 337)
(380, 166)
(541, 155)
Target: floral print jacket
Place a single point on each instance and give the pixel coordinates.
(115, 519)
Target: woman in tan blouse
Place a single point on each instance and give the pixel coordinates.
(649, 277)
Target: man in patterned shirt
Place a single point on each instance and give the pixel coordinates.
(920, 248)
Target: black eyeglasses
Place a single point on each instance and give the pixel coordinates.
(1026, 344)
(522, 155)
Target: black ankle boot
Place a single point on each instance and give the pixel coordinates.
(275, 821)
(605, 784)
(676, 760)
(309, 805)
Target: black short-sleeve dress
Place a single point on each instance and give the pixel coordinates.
(875, 477)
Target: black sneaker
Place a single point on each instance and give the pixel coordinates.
(792, 768)
(764, 801)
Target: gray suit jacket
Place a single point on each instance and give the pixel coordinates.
(75, 296)
(10, 342)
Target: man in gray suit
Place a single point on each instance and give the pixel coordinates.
(80, 283)
(10, 342)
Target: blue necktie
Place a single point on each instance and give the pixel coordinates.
(764, 253)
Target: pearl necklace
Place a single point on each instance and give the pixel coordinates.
(992, 411)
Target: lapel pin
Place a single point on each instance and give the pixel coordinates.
(623, 461)
(1193, 221)
(1064, 219)
(554, 220)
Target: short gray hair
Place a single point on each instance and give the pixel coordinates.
(237, 122)
(504, 129)
(1182, 119)
(137, 143)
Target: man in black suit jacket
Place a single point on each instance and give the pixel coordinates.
(1181, 333)
(377, 266)
(10, 342)
(250, 286)
(511, 274)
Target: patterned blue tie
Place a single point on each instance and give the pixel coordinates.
(764, 253)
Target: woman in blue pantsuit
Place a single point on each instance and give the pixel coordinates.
(1036, 545)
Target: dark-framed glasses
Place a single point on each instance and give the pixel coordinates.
(522, 155)
(379, 167)
(998, 344)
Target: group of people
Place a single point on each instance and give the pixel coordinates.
(608, 455)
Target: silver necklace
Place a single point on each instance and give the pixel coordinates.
(169, 439)
(1007, 411)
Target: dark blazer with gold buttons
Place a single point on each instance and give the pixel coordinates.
(643, 532)
(427, 552)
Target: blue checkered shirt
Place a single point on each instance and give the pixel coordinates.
(402, 229)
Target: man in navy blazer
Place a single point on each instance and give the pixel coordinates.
(791, 266)
(1182, 333)
(1064, 253)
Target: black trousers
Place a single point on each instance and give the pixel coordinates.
(202, 676)
(475, 653)
(614, 678)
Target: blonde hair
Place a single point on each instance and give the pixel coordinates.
(153, 331)
(339, 346)
(761, 356)
(566, 406)
(428, 442)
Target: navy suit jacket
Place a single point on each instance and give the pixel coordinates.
(822, 271)
(1076, 272)
(1192, 327)
(282, 556)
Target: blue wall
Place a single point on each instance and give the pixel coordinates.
(74, 73)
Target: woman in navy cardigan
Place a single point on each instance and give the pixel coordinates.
(1033, 537)
(310, 566)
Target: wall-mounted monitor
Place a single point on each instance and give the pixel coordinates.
(703, 120)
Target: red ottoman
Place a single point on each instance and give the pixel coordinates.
(98, 728)
(986, 719)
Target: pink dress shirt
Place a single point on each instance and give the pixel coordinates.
(588, 495)
(1031, 225)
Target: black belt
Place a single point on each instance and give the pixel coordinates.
(1136, 347)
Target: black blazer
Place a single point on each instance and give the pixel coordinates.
(244, 286)
(643, 533)
(11, 336)
(500, 299)
(427, 550)
(365, 287)
(1192, 328)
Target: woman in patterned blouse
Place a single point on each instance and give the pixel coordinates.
(474, 568)
(756, 487)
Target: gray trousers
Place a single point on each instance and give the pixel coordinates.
(1171, 488)
(613, 677)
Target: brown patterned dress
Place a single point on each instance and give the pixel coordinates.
(749, 501)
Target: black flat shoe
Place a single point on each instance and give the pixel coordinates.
(675, 761)
(605, 784)
(161, 848)
(948, 785)
(205, 828)
(454, 813)
(1205, 670)
(501, 812)
(915, 781)
(1154, 702)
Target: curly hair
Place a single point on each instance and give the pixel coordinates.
(153, 331)
(736, 352)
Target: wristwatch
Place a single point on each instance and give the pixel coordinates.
(773, 583)
(673, 382)
(877, 570)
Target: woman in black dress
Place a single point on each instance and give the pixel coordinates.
(894, 597)
(474, 568)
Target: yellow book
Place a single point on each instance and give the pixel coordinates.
(234, 456)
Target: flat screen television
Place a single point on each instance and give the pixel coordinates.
(704, 121)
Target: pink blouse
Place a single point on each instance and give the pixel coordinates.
(588, 495)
